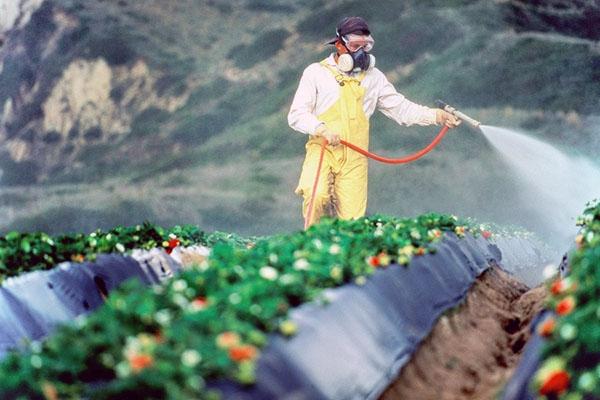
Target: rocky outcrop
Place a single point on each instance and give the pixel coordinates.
(16, 13)
(81, 100)
(79, 111)
(49, 115)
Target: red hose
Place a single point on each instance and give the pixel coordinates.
(402, 160)
(314, 191)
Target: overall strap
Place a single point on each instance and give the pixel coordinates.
(340, 77)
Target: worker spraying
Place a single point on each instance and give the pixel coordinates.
(333, 103)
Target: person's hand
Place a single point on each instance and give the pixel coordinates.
(332, 138)
(445, 118)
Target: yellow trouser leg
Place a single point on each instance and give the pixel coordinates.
(351, 190)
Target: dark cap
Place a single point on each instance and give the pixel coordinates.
(350, 25)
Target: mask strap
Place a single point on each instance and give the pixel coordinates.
(344, 43)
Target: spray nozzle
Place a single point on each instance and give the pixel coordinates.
(457, 113)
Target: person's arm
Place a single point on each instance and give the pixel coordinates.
(302, 116)
(398, 108)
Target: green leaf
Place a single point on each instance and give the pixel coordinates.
(25, 246)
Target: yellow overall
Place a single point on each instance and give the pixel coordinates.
(342, 187)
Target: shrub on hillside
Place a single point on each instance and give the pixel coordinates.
(573, 18)
(263, 48)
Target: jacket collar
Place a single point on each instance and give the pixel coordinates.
(331, 60)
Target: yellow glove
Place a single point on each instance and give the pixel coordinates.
(445, 118)
(332, 138)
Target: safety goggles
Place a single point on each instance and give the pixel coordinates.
(356, 42)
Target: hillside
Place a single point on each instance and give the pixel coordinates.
(117, 111)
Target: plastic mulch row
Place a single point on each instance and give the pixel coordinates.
(33, 304)
(352, 349)
(355, 347)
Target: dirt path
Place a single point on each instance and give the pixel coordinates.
(474, 348)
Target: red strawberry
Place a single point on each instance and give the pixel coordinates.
(557, 287)
(374, 261)
(243, 353)
(199, 303)
(140, 361)
(565, 306)
(556, 383)
(546, 328)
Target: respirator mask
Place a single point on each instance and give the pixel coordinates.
(358, 57)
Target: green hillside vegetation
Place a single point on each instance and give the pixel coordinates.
(240, 64)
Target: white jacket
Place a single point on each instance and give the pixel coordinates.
(318, 90)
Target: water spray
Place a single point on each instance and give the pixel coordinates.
(458, 114)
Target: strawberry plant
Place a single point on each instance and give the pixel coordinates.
(212, 321)
(571, 365)
(22, 252)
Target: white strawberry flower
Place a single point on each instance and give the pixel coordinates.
(255, 309)
(568, 331)
(588, 218)
(180, 300)
(287, 279)
(163, 317)
(336, 273)
(190, 358)
(299, 253)
(179, 285)
(360, 280)
(36, 361)
(335, 249)
(203, 266)
(123, 369)
(158, 289)
(269, 273)
(235, 298)
(301, 264)
(589, 236)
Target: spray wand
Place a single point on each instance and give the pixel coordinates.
(458, 114)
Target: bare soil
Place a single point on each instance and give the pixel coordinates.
(473, 349)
